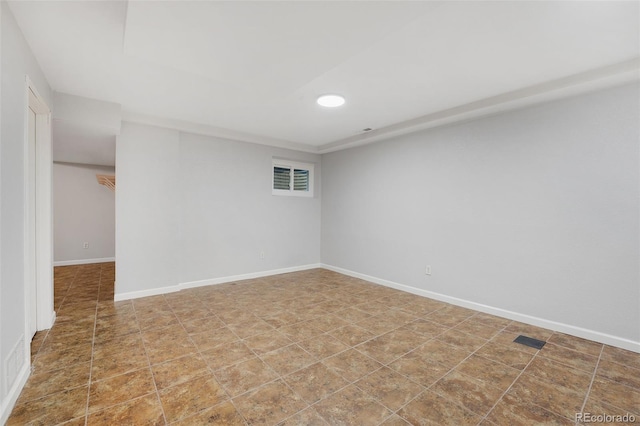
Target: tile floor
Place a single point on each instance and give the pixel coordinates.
(307, 348)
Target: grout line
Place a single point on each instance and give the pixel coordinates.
(199, 352)
(382, 365)
(509, 388)
(66, 293)
(93, 339)
(593, 378)
(428, 388)
(153, 380)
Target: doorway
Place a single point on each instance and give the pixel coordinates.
(38, 247)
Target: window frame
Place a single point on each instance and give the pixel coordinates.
(292, 165)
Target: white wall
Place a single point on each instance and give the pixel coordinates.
(193, 208)
(83, 211)
(532, 211)
(147, 209)
(17, 61)
(229, 214)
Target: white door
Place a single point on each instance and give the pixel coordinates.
(30, 279)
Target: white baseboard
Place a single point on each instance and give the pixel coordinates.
(212, 281)
(145, 293)
(515, 316)
(12, 396)
(250, 276)
(52, 321)
(83, 261)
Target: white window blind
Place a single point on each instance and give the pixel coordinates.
(281, 178)
(292, 178)
(300, 180)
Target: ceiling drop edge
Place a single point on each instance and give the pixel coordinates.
(588, 81)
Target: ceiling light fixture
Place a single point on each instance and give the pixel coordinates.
(330, 101)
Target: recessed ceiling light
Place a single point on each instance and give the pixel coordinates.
(330, 101)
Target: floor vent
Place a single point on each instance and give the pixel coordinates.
(530, 341)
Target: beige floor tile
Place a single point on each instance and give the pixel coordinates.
(431, 408)
(380, 324)
(52, 360)
(250, 328)
(621, 356)
(390, 388)
(595, 407)
(43, 383)
(351, 406)
(351, 334)
(52, 409)
(426, 329)
(394, 420)
(120, 389)
(145, 410)
(201, 325)
(212, 338)
(616, 394)
(476, 328)
(300, 331)
(557, 399)
(323, 346)
(307, 417)
(419, 368)
(224, 414)
(558, 374)
(447, 316)
(352, 314)
(491, 320)
(577, 344)
(188, 398)
(440, 352)
(226, 355)
(623, 374)
(240, 378)
(461, 340)
(267, 342)
(288, 359)
(329, 322)
(352, 365)
(508, 355)
(578, 360)
(199, 347)
(475, 395)
(315, 382)
(493, 373)
(513, 411)
(269, 404)
(179, 370)
(391, 346)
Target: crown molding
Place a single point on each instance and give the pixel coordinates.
(588, 81)
(217, 132)
(573, 85)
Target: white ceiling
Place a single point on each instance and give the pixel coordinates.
(75, 143)
(252, 70)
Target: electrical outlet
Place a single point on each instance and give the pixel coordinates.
(85, 245)
(427, 271)
(262, 254)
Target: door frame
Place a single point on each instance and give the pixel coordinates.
(41, 268)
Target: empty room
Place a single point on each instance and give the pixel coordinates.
(319, 212)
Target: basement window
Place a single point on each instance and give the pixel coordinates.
(291, 178)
